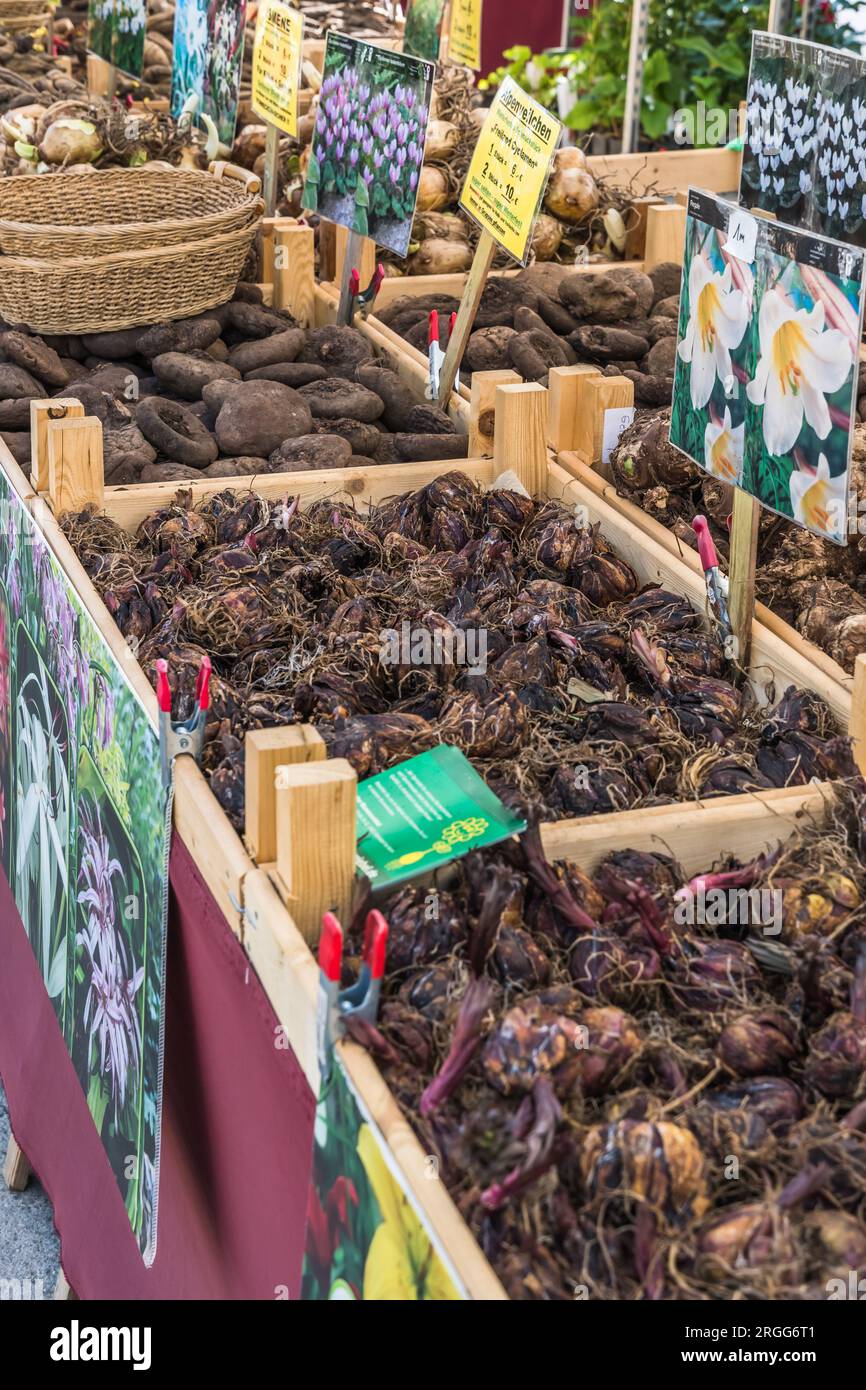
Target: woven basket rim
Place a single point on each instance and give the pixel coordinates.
(57, 264)
(104, 230)
(48, 229)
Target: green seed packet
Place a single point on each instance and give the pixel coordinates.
(425, 812)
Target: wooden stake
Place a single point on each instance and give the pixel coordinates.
(265, 750)
(75, 469)
(41, 412)
(520, 442)
(16, 1169)
(741, 575)
(596, 394)
(472, 292)
(316, 840)
(482, 412)
(857, 722)
(665, 235)
(353, 249)
(634, 75)
(293, 270)
(269, 181)
(564, 386)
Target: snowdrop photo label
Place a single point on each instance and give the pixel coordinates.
(767, 358)
(368, 142)
(207, 61)
(804, 157)
(116, 33)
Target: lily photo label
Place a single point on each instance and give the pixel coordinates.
(766, 372)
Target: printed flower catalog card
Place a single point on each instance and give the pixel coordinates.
(804, 157)
(368, 143)
(765, 384)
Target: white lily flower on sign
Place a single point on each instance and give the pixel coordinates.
(723, 449)
(718, 318)
(819, 501)
(799, 363)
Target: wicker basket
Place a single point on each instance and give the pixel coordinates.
(97, 294)
(120, 210)
(29, 21)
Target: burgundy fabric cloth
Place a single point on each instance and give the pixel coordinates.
(237, 1125)
(538, 25)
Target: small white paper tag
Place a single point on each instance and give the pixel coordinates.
(742, 235)
(616, 421)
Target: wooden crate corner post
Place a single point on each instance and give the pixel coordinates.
(16, 1169)
(315, 834)
(857, 724)
(665, 235)
(76, 475)
(567, 400)
(41, 414)
(482, 411)
(289, 263)
(265, 750)
(520, 443)
(596, 396)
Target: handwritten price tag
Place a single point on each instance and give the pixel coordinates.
(506, 178)
(277, 65)
(464, 36)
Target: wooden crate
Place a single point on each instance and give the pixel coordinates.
(253, 896)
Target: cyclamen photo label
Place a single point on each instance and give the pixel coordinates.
(765, 384)
(368, 143)
(422, 34)
(207, 61)
(804, 157)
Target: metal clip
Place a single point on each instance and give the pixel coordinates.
(359, 1000)
(181, 736)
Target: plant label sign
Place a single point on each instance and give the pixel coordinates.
(421, 814)
(277, 53)
(422, 33)
(84, 848)
(509, 169)
(368, 142)
(464, 34)
(765, 383)
(116, 33)
(367, 1236)
(804, 157)
(207, 62)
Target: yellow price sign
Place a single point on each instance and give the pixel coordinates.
(277, 53)
(464, 34)
(509, 169)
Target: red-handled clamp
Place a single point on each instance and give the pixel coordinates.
(359, 1000)
(435, 356)
(362, 301)
(187, 735)
(717, 584)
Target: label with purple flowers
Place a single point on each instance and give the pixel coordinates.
(368, 143)
(82, 844)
